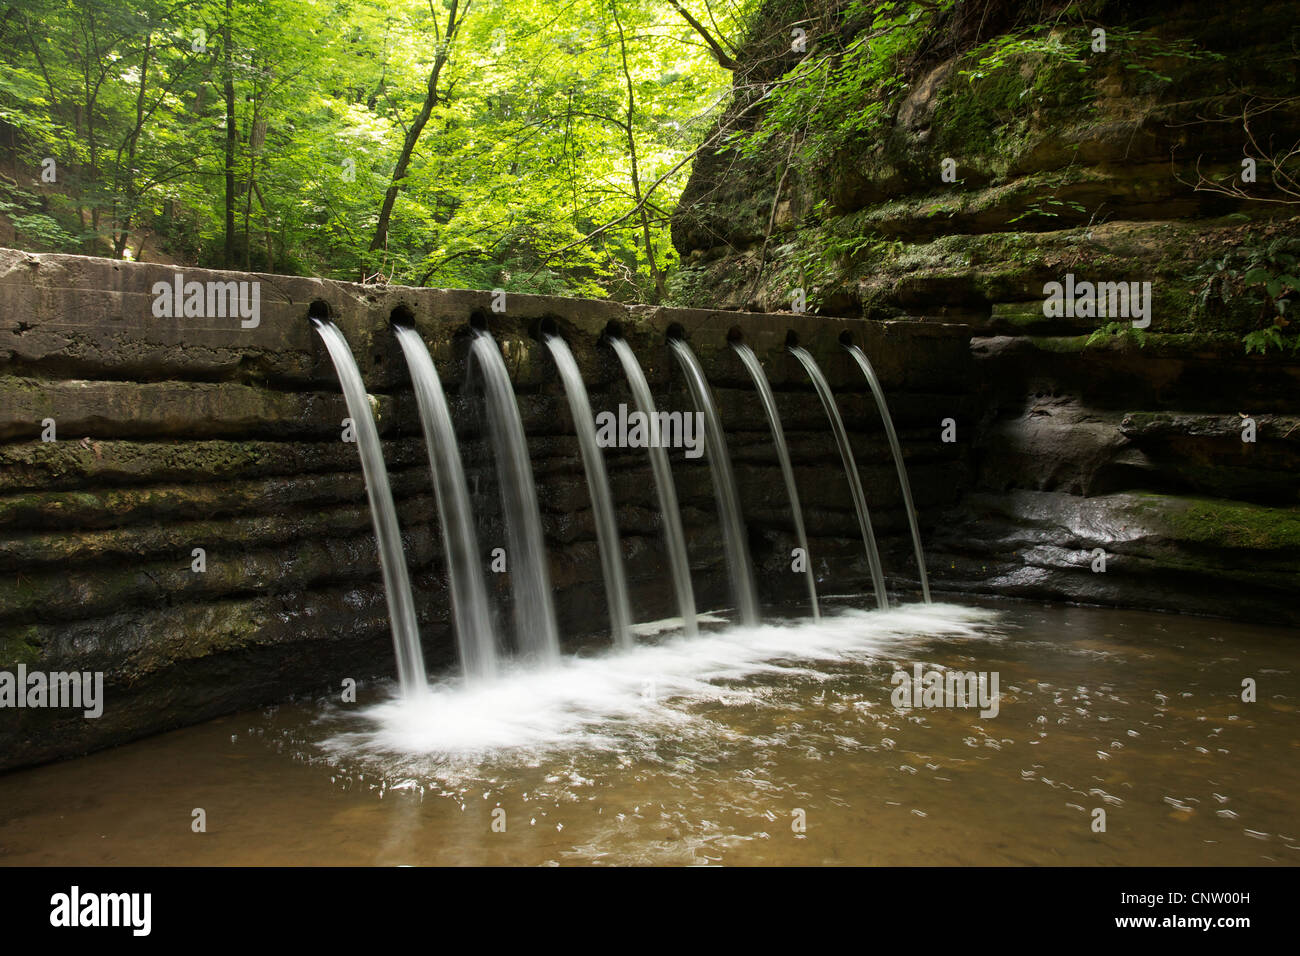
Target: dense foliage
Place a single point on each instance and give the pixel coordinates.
(467, 143)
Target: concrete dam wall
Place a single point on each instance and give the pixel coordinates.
(132, 435)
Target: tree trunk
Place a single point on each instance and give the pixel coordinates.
(256, 137)
(431, 98)
(655, 275)
(266, 228)
(126, 219)
(231, 138)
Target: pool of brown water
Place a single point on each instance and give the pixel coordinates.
(783, 745)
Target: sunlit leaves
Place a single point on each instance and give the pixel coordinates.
(525, 155)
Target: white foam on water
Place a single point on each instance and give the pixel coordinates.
(655, 628)
(601, 701)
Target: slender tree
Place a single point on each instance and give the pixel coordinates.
(432, 96)
(232, 134)
(656, 276)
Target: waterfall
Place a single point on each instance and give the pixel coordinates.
(872, 380)
(526, 557)
(724, 485)
(850, 469)
(669, 512)
(392, 561)
(602, 506)
(473, 618)
(748, 357)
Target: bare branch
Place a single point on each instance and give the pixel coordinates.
(724, 59)
(1280, 162)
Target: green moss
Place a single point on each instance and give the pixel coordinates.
(1232, 524)
(14, 507)
(1177, 343)
(21, 646)
(988, 107)
(1027, 320)
(1062, 343)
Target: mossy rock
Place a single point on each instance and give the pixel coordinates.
(19, 645)
(1218, 523)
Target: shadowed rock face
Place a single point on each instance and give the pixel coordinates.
(1067, 160)
(175, 434)
(1139, 453)
(1127, 442)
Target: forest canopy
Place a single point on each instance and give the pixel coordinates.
(520, 144)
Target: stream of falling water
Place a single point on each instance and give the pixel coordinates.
(669, 512)
(874, 381)
(724, 485)
(392, 560)
(602, 505)
(534, 610)
(850, 470)
(475, 636)
(748, 357)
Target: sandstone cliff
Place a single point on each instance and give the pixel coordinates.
(976, 155)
